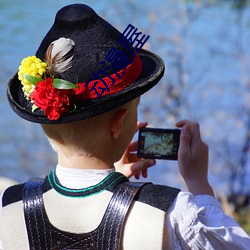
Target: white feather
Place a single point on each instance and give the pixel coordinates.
(62, 46)
(56, 55)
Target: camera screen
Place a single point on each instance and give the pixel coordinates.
(158, 143)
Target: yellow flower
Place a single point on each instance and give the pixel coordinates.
(31, 66)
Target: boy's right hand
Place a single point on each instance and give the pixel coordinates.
(193, 158)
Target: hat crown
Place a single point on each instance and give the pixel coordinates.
(93, 38)
(75, 13)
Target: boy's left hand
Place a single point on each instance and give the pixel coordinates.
(130, 165)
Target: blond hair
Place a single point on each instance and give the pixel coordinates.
(81, 136)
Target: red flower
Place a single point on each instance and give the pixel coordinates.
(52, 101)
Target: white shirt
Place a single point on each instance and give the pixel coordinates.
(192, 222)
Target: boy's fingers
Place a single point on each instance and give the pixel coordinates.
(181, 123)
(196, 132)
(141, 125)
(137, 176)
(184, 122)
(194, 127)
(143, 164)
(144, 173)
(132, 146)
(133, 158)
(185, 139)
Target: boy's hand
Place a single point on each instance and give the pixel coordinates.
(193, 158)
(130, 165)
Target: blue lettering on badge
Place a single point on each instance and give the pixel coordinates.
(118, 59)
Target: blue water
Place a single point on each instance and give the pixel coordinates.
(207, 79)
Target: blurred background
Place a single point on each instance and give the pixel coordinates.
(205, 46)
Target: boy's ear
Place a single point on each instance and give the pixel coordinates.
(117, 122)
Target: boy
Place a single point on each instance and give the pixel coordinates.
(84, 203)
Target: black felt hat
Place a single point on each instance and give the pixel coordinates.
(93, 38)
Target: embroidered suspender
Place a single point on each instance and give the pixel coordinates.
(112, 225)
(44, 236)
(38, 233)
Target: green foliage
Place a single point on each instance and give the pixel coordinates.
(32, 79)
(240, 4)
(63, 84)
(57, 83)
(244, 219)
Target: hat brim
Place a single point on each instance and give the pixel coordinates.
(152, 72)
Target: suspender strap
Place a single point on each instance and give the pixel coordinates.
(106, 237)
(113, 221)
(38, 234)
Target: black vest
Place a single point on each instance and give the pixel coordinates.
(44, 236)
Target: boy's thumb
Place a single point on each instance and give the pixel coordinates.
(185, 138)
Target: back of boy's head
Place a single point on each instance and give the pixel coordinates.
(80, 136)
(85, 135)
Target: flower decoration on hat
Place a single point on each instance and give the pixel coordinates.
(40, 82)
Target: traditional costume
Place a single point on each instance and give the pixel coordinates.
(71, 81)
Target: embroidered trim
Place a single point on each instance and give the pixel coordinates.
(121, 80)
(85, 192)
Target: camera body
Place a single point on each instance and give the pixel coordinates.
(156, 143)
